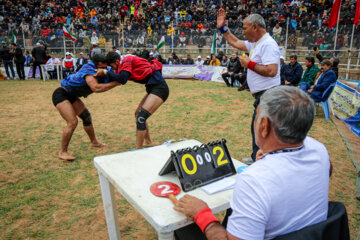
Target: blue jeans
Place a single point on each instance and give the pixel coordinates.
(305, 86)
(7, 64)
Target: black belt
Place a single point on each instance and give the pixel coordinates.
(258, 94)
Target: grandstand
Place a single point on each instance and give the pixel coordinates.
(298, 26)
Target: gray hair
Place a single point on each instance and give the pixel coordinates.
(291, 112)
(256, 18)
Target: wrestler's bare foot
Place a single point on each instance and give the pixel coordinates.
(148, 143)
(98, 144)
(66, 156)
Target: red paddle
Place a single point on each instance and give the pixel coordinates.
(165, 189)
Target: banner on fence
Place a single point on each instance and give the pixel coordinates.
(346, 105)
(205, 73)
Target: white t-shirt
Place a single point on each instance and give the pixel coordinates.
(53, 61)
(264, 52)
(281, 193)
(199, 63)
(50, 64)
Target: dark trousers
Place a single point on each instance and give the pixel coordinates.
(53, 74)
(9, 64)
(193, 232)
(225, 76)
(242, 80)
(35, 65)
(20, 70)
(67, 71)
(255, 148)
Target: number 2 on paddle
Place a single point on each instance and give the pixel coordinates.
(220, 160)
(165, 189)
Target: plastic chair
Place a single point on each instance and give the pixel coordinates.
(335, 227)
(325, 104)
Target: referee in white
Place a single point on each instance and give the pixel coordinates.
(263, 61)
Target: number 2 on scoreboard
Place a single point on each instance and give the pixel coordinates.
(220, 161)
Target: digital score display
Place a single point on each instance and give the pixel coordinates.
(200, 165)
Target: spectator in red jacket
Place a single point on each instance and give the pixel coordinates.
(45, 31)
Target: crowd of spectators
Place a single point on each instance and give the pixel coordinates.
(183, 22)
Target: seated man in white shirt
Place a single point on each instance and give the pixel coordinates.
(51, 68)
(199, 61)
(286, 189)
(69, 64)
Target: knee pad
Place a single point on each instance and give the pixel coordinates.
(141, 119)
(86, 118)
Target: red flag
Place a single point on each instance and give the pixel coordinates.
(334, 13)
(357, 13)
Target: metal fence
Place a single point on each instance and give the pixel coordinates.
(184, 41)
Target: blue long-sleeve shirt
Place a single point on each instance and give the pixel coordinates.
(293, 73)
(325, 80)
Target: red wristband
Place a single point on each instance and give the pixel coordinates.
(251, 65)
(204, 217)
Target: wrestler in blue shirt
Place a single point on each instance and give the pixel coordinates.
(66, 100)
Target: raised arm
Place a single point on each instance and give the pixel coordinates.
(230, 38)
(96, 87)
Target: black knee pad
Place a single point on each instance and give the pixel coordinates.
(141, 119)
(86, 118)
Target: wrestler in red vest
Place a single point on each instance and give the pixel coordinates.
(141, 71)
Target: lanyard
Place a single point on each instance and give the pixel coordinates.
(287, 150)
(257, 43)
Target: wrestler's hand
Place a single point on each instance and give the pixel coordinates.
(221, 18)
(189, 206)
(99, 73)
(244, 61)
(259, 154)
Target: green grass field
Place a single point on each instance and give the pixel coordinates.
(42, 197)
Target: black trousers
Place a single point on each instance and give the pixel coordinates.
(225, 76)
(20, 70)
(35, 65)
(242, 80)
(193, 232)
(255, 147)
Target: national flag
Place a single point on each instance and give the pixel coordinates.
(357, 13)
(68, 33)
(334, 13)
(13, 37)
(161, 43)
(213, 45)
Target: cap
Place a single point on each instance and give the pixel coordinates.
(40, 41)
(199, 56)
(37, 44)
(282, 57)
(67, 53)
(3, 42)
(207, 56)
(81, 53)
(151, 53)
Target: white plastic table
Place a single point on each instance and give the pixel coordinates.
(132, 173)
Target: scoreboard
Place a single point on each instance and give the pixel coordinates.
(200, 165)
